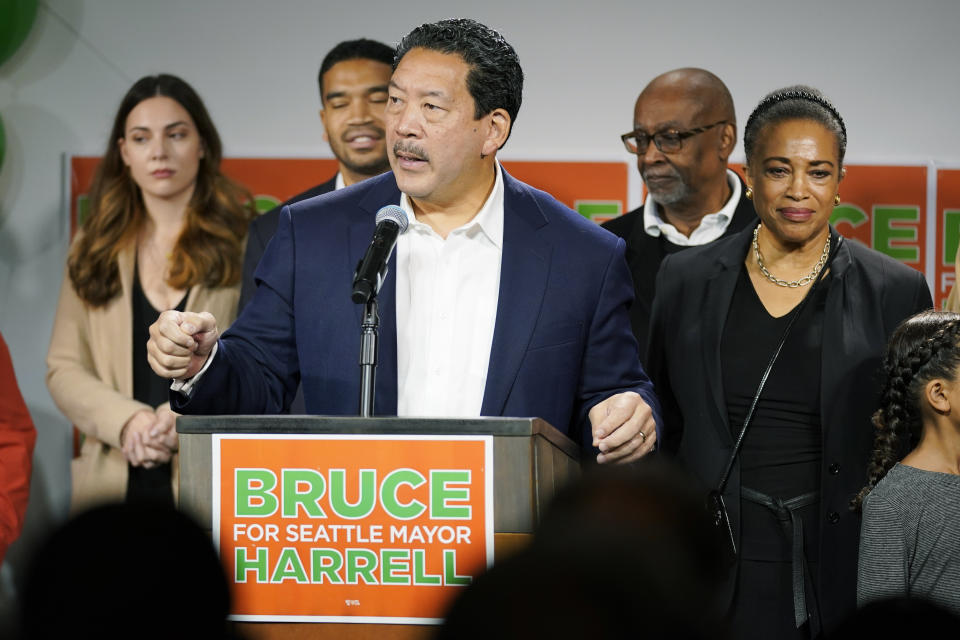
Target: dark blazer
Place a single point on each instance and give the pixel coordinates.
(869, 295)
(262, 229)
(561, 343)
(645, 253)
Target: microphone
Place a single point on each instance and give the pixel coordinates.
(367, 279)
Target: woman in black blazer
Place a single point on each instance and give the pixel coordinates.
(718, 316)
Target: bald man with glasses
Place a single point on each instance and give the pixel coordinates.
(684, 129)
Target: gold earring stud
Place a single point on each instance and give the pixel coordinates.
(748, 194)
(836, 199)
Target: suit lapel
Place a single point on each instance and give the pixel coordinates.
(524, 267)
(717, 297)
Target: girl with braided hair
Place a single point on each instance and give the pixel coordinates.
(781, 448)
(910, 536)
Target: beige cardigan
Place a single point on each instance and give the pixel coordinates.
(90, 376)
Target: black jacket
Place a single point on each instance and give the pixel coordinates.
(645, 253)
(262, 230)
(869, 295)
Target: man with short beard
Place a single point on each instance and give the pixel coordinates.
(684, 129)
(353, 82)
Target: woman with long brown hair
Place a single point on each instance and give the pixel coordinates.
(165, 231)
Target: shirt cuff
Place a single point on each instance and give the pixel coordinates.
(185, 386)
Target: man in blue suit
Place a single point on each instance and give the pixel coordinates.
(501, 301)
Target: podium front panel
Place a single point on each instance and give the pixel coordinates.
(531, 461)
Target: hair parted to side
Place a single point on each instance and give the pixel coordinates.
(360, 49)
(924, 347)
(495, 79)
(210, 248)
(798, 102)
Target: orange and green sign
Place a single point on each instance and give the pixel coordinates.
(948, 232)
(351, 528)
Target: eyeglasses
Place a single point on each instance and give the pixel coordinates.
(669, 141)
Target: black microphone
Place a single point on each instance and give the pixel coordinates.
(367, 279)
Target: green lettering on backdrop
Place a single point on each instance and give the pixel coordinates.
(264, 203)
(253, 487)
(850, 214)
(83, 208)
(951, 235)
(599, 208)
(885, 233)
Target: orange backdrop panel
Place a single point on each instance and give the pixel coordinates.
(598, 190)
(948, 232)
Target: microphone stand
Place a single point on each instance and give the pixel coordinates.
(370, 328)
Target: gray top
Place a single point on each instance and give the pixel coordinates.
(910, 538)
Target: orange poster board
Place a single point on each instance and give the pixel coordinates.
(596, 190)
(351, 528)
(948, 233)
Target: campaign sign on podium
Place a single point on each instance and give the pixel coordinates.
(351, 528)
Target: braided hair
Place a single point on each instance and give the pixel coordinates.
(924, 347)
(798, 102)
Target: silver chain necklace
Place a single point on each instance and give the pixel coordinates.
(802, 282)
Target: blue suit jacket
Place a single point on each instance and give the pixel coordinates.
(562, 340)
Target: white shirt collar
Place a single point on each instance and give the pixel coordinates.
(712, 226)
(338, 182)
(489, 218)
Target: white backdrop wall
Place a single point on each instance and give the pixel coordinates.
(890, 66)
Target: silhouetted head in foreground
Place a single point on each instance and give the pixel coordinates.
(625, 552)
(126, 571)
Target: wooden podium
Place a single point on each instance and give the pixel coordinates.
(531, 460)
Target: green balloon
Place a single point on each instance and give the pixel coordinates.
(16, 19)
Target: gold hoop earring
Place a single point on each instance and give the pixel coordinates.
(748, 194)
(836, 199)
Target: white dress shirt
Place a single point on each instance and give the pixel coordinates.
(447, 293)
(712, 225)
